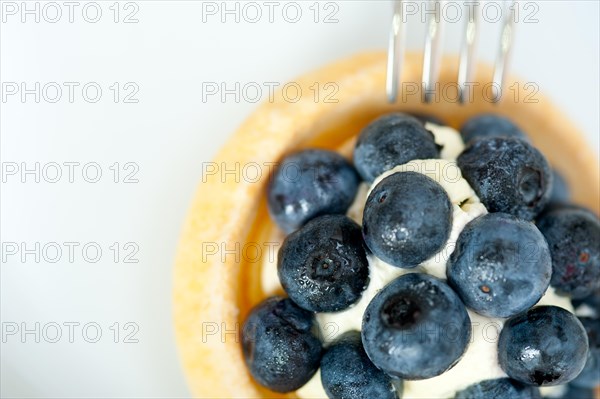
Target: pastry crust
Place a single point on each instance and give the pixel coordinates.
(217, 270)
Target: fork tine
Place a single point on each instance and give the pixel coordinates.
(506, 40)
(395, 53)
(467, 52)
(433, 47)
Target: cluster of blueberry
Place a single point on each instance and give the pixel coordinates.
(502, 265)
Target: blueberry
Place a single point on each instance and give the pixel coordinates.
(546, 345)
(508, 175)
(279, 347)
(407, 219)
(574, 392)
(560, 190)
(590, 376)
(552, 206)
(555, 206)
(501, 388)
(573, 237)
(426, 118)
(347, 372)
(489, 125)
(392, 140)
(416, 327)
(311, 183)
(501, 265)
(323, 266)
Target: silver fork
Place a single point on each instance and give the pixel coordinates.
(433, 46)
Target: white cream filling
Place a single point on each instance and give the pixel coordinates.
(480, 360)
(585, 310)
(448, 138)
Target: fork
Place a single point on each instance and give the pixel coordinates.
(433, 47)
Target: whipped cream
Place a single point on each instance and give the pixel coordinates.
(480, 361)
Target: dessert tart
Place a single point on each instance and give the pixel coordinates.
(224, 268)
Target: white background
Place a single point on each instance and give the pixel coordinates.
(168, 133)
